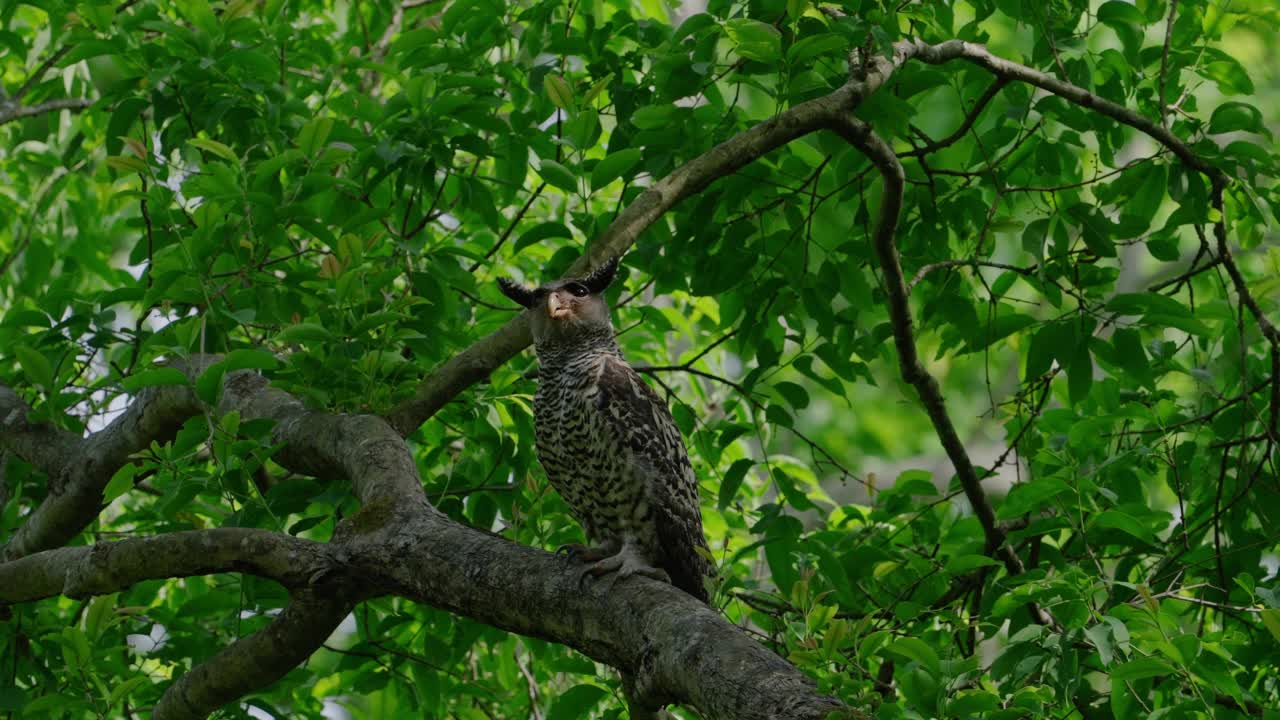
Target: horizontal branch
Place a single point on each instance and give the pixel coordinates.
(11, 111)
(111, 567)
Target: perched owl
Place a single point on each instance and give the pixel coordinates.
(608, 442)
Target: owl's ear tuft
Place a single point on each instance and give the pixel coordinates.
(517, 292)
(600, 278)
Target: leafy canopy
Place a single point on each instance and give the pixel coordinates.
(327, 192)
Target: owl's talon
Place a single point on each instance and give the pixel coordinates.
(626, 563)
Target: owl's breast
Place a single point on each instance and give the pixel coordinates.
(585, 463)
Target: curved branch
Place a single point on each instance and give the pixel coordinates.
(362, 448)
(257, 660)
(81, 470)
(109, 567)
(861, 136)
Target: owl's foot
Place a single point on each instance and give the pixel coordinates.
(583, 553)
(625, 563)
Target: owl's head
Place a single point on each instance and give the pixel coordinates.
(569, 309)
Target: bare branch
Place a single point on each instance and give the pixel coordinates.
(936, 145)
(110, 567)
(12, 111)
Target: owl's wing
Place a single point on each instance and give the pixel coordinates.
(641, 422)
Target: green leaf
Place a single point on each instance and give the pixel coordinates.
(755, 40)
(972, 703)
(214, 147)
(558, 91)
(304, 333)
(1228, 73)
(916, 650)
(122, 690)
(576, 702)
(157, 376)
(1128, 347)
(796, 396)
(312, 136)
(614, 166)
(1028, 497)
(815, 45)
(559, 176)
(1237, 117)
(1080, 373)
(732, 480)
(1100, 635)
(98, 615)
(596, 88)
(1041, 352)
(1271, 618)
(651, 117)
(962, 564)
(538, 233)
(1095, 230)
(1141, 207)
(35, 366)
(209, 384)
(120, 483)
(126, 163)
(1116, 520)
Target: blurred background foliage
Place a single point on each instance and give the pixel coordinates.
(341, 183)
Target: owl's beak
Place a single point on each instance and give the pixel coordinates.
(556, 307)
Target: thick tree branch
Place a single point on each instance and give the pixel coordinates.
(80, 472)
(257, 660)
(676, 648)
(362, 448)
(43, 445)
(110, 567)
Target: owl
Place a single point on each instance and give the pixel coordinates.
(608, 443)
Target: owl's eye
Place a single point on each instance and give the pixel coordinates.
(578, 289)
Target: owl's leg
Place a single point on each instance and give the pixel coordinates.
(585, 553)
(591, 553)
(627, 562)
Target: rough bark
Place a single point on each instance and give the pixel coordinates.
(79, 469)
(109, 567)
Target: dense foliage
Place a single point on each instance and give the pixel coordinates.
(327, 191)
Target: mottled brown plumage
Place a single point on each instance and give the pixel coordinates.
(608, 442)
